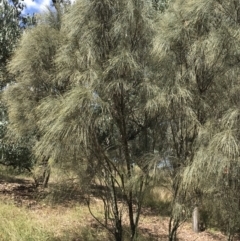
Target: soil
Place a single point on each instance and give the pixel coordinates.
(23, 193)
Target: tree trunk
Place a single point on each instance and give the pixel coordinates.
(195, 219)
(43, 175)
(172, 232)
(118, 231)
(46, 176)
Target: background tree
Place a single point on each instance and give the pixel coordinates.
(198, 52)
(32, 66)
(12, 22)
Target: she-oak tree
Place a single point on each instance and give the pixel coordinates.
(198, 54)
(85, 91)
(110, 107)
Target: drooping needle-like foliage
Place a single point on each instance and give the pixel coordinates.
(98, 118)
(198, 53)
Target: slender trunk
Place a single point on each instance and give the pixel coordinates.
(118, 231)
(130, 193)
(117, 215)
(46, 173)
(139, 208)
(230, 232)
(124, 140)
(173, 226)
(43, 177)
(174, 222)
(46, 177)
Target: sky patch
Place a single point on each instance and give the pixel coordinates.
(36, 6)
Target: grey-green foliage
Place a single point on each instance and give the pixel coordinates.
(34, 77)
(160, 5)
(96, 83)
(198, 53)
(98, 56)
(33, 70)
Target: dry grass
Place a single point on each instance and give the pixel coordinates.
(17, 225)
(62, 215)
(67, 223)
(42, 222)
(159, 200)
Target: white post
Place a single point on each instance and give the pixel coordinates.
(195, 219)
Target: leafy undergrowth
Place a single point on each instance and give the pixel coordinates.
(60, 214)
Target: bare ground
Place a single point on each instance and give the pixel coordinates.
(23, 194)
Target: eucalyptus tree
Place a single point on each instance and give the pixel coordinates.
(100, 120)
(198, 53)
(12, 21)
(10, 32)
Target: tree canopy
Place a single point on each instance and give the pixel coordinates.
(120, 90)
(198, 52)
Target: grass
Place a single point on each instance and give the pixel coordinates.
(158, 199)
(58, 215)
(51, 224)
(61, 214)
(17, 225)
(47, 224)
